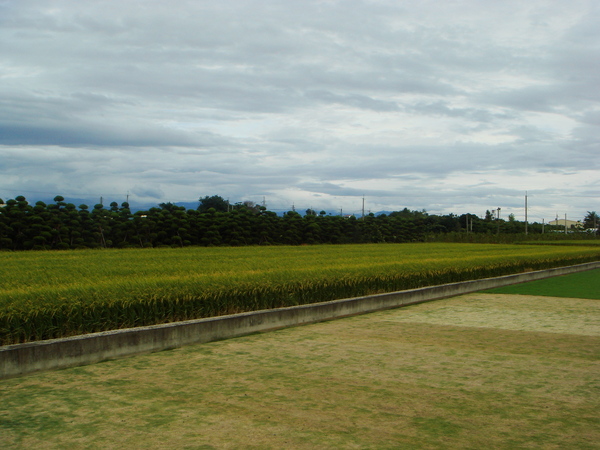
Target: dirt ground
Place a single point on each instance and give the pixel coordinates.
(476, 371)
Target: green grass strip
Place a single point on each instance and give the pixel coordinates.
(585, 242)
(577, 285)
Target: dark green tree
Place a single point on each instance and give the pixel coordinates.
(591, 220)
(217, 202)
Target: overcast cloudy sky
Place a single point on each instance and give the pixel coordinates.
(449, 105)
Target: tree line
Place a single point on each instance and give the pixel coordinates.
(216, 222)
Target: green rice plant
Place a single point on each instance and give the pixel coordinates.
(55, 294)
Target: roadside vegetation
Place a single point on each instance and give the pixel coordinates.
(55, 294)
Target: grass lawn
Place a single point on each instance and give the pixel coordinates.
(477, 371)
(577, 285)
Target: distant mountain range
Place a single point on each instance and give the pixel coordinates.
(134, 206)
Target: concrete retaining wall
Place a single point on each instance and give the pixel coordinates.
(31, 357)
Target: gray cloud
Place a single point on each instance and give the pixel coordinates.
(303, 102)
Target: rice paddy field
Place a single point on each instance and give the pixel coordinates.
(484, 370)
(63, 293)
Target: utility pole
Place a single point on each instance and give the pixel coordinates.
(525, 213)
(363, 208)
(498, 220)
(565, 223)
(469, 224)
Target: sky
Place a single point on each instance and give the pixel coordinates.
(453, 106)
